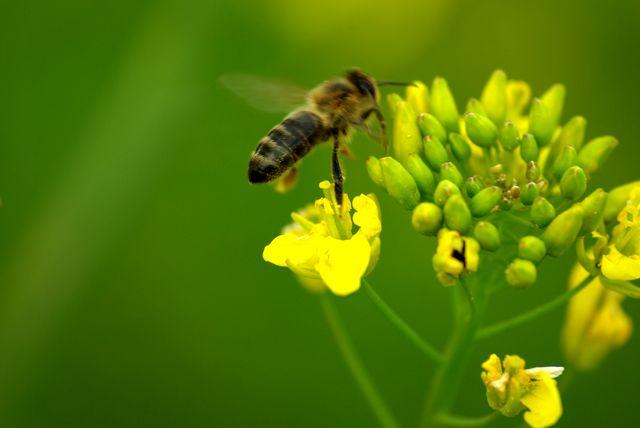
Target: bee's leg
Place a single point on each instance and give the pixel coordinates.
(383, 126)
(337, 171)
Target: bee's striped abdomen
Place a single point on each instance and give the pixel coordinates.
(284, 145)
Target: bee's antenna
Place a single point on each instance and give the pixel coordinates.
(393, 83)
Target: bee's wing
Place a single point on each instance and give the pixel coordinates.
(265, 94)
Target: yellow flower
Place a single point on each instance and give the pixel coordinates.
(321, 248)
(595, 323)
(455, 255)
(622, 261)
(511, 388)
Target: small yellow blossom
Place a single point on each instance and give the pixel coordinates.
(455, 255)
(511, 388)
(321, 248)
(622, 262)
(595, 323)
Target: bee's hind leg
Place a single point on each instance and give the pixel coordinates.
(338, 179)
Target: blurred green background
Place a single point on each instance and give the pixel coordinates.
(132, 290)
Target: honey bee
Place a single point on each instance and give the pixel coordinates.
(331, 110)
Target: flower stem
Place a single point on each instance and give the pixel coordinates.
(464, 421)
(373, 397)
(533, 313)
(428, 349)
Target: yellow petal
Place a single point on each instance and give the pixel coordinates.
(471, 250)
(367, 215)
(492, 369)
(278, 250)
(342, 263)
(543, 402)
(618, 267)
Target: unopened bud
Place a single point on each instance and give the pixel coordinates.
(531, 248)
(448, 171)
(487, 235)
(422, 175)
(528, 148)
(521, 273)
(572, 134)
(509, 136)
(443, 105)
(618, 198)
(473, 185)
(406, 136)
(541, 124)
(529, 193)
(563, 231)
(375, 171)
(518, 96)
(444, 190)
(554, 100)
(481, 131)
(393, 100)
(593, 206)
(485, 200)
(417, 96)
(434, 152)
(474, 106)
(456, 214)
(400, 185)
(459, 147)
(573, 183)
(494, 97)
(533, 171)
(567, 158)
(505, 203)
(542, 212)
(595, 153)
(427, 218)
(429, 125)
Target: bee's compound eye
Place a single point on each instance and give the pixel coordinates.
(362, 82)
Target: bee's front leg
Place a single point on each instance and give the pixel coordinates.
(337, 171)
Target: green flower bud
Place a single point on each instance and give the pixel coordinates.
(422, 175)
(554, 100)
(456, 214)
(533, 171)
(531, 248)
(485, 200)
(443, 105)
(473, 185)
(375, 171)
(529, 148)
(529, 193)
(487, 235)
(444, 190)
(595, 153)
(393, 100)
(459, 147)
(505, 204)
(593, 206)
(541, 123)
(427, 218)
(417, 96)
(572, 134)
(481, 131)
(448, 171)
(435, 152)
(474, 106)
(509, 136)
(573, 183)
(618, 198)
(494, 97)
(521, 273)
(563, 231)
(429, 125)
(542, 212)
(400, 185)
(567, 158)
(406, 136)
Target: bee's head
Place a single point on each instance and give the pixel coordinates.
(365, 85)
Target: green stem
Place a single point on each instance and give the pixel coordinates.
(447, 380)
(464, 421)
(533, 313)
(428, 349)
(369, 390)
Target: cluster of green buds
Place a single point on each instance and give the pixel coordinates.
(505, 174)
